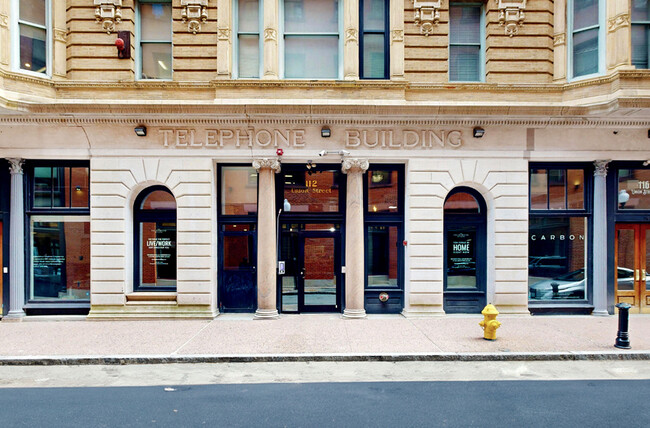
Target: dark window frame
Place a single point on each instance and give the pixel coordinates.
(385, 32)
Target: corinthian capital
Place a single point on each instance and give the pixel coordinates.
(16, 165)
(273, 164)
(354, 165)
(601, 167)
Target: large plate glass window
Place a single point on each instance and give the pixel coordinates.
(155, 35)
(585, 30)
(633, 189)
(640, 33)
(466, 42)
(311, 39)
(558, 262)
(314, 190)
(33, 25)
(373, 42)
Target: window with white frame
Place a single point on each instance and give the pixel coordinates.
(33, 45)
(312, 42)
(155, 39)
(640, 33)
(585, 37)
(466, 44)
(249, 21)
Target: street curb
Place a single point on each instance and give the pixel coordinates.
(272, 358)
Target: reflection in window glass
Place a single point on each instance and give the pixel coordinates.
(248, 38)
(640, 33)
(634, 189)
(238, 190)
(464, 43)
(556, 188)
(60, 268)
(585, 29)
(557, 257)
(32, 26)
(575, 189)
(158, 254)
(159, 200)
(382, 256)
(382, 191)
(315, 192)
(538, 189)
(462, 203)
(61, 187)
(155, 40)
(373, 30)
(238, 251)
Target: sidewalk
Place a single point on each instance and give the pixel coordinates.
(317, 337)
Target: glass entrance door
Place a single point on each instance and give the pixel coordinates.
(632, 255)
(309, 274)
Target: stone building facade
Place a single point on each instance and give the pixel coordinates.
(186, 158)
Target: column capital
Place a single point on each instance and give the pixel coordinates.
(354, 165)
(601, 167)
(16, 166)
(273, 164)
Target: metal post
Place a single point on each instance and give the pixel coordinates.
(623, 336)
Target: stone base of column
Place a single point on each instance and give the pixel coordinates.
(267, 314)
(14, 316)
(600, 313)
(354, 313)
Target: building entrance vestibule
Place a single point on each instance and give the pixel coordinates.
(632, 257)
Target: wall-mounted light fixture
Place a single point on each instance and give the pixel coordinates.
(478, 132)
(325, 132)
(333, 152)
(77, 188)
(140, 131)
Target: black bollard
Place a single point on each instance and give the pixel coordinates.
(623, 336)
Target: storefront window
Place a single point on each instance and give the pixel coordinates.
(557, 262)
(382, 256)
(311, 191)
(238, 190)
(60, 187)
(634, 189)
(382, 191)
(60, 268)
(557, 189)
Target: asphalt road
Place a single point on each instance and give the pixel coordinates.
(555, 403)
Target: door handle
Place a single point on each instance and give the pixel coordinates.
(302, 273)
(636, 275)
(643, 275)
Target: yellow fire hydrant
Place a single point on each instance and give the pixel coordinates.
(490, 323)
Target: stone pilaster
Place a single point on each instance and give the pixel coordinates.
(266, 239)
(224, 44)
(619, 48)
(351, 42)
(271, 51)
(5, 34)
(559, 41)
(600, 238)
(16, 242)
(354, 234)
(396, 20)
(59, 37)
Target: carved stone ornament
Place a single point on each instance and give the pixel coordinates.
(351, 35)
(223, 34)
(398, 35)
(601, 167)
(427, 14)
(619, 21)
(270, 35)
(108, 13)
(511, 15)
(194, 13)
(4, 20)
(16, 165)
(354, 165)
(273, 164)
(559, 39)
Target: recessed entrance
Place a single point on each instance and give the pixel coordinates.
(632, 255)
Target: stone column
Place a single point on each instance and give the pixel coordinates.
(354, 237)
(351, 43)
(600, 238)
(16, 242)
(267, 257)
(271, 52)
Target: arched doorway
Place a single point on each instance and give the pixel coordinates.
(464, 251)
(154, 227)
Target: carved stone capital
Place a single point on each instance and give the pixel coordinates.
(618, 21)
(60, 35)
(16, 165)
(601, 167)
(427, 14)
(223, 33)
(194, 12)
(108, 13)
(351, 36)
(273, 164)
(354, 165)
(559, 39)
(270, 35)
(511, 15)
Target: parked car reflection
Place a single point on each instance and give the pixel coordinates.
(572, 285)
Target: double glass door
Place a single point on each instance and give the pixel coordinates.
(310, 268)
(632, 255)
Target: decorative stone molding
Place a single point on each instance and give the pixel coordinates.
(351, 35)
(559, 39)
(601, 167)
(397, 35)
(4, 21)
(194, 13)
(270, 35)
(223, 33)
(619, 21)
(16, 165)
(354, 165)
(273, 164)
(427, 14)
(511, 15)
(108, 13)
(60, 35)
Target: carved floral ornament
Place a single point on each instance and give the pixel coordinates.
(354, 165)
(108, 13)
(194, 13)
(270, 163)
(511, 15)
(427, 14)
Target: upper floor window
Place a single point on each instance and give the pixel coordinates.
(585, 29)
(33, 25)
(155, 39)
(249, 22)
(466, 43)
(312, 44)
(640, 33)
(373, 40)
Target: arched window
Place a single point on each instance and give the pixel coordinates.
(154, 227)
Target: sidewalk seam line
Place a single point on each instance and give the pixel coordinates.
(191, 338)
(425, 335)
